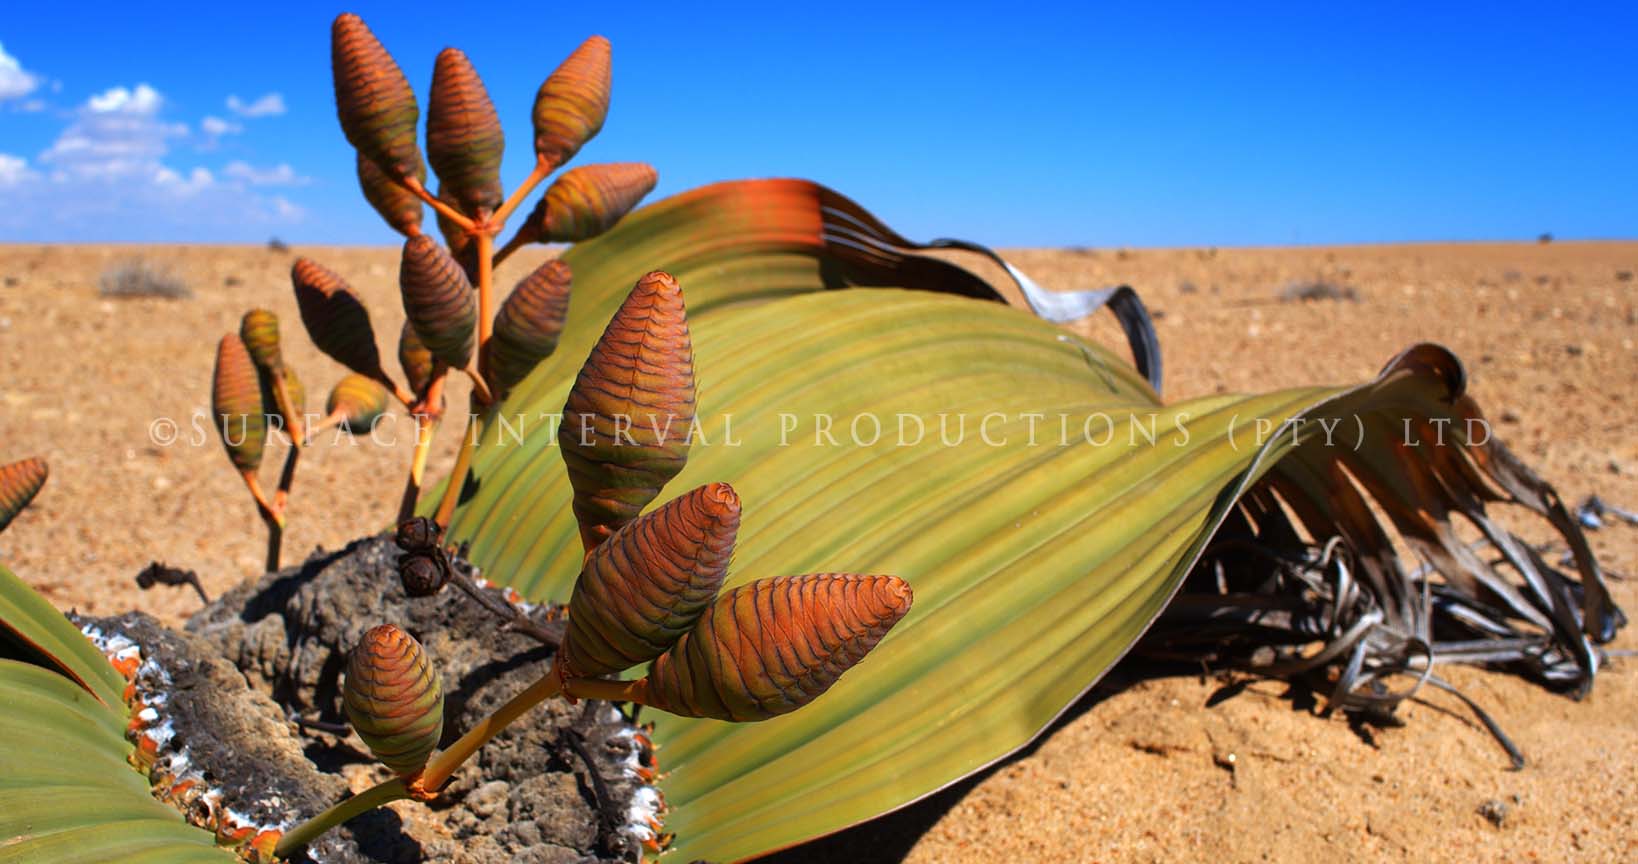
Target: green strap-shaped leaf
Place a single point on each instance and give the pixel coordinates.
(67, 793)
(1037, 556)
(1054, 558)
(29, 619)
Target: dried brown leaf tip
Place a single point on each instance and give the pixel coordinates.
(464, 138)
(356, 402)
(259, 330)
(572, 103)
(627, 422)
(399, 207)
(373, 98)
(644, 587)
(771, 646)
(394, 699)
(438, 300)
(236, 400)
(529, 323)
(335, 318)
(589, 200)
(415, 359)
(19, 483)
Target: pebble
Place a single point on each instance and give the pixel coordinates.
(489, 798)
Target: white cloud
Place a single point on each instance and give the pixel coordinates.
(14, 171)
(143, 101)
(198, 180)
(105, 177)
(116, 135)
(279, 175)
(32, 106)
(268, 105)
(216, 127)
(286, 210)
(15, 81)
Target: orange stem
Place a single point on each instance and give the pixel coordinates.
(608, 691)
(486, 301)
(445, 210)
(281, 395)
(446, 762)
(457, 476)
(541, 169)
(426, 426)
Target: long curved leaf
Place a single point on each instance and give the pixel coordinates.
(67, 793)
(1036, 562)
(29, 619)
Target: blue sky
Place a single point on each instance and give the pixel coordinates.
(1013, 124)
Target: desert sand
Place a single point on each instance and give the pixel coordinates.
(1135, 772)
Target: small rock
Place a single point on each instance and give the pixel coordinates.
(1494, 811)
(1573, 350)
(232, 281)
(1620, 276)
(488, 799)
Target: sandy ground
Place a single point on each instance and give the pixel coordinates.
(1134, 772)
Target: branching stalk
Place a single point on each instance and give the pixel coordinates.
(517, 242)
(432, 201)
(503, 609)
(463, 463)
(486, 302)
(445, 763)
(608, 691)
(281, 395)
(428, 415)
(305, 833)
(541, 169)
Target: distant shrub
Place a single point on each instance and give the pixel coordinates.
(139, 278)
(1318, 289)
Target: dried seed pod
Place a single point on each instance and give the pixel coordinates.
(572, 103)
(356, 402)
(588, 201)
(644, 587)
(771, 646)
(394, 699)
(373, 99)
(418, 534)
(464, 138)
(529, 322)
(399, 207)
(335, 318)
(236, 400)
(259, 330)
(438, 300)
(422, 575)
(627, 421)
(415, 359)
(19, 483)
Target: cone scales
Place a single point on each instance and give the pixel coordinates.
(769, 647)
(394, 699)
(626, 424)
(643, 588)
(19, 483)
